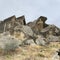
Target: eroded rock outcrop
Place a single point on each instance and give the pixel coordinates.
(18, 28)
(11, 22)
(38, 24)
(51, 30)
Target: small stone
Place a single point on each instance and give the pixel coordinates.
(29, 42)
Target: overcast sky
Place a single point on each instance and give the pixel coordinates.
(32, 9)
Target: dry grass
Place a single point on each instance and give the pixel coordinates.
(34, 52)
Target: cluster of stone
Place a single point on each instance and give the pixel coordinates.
(36, 32)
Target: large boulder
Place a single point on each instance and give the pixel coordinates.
(23, 32)
(29, 42)
(40, 41)
(27, 30)
(38, 24)
(52, 38)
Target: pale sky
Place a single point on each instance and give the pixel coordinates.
(32, 9)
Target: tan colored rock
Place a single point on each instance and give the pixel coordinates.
(38, 24)
(21, 20)
(19, 35)
(11, 22)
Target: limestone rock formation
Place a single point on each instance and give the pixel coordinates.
(8, 43)
(51, 30)
(18, 28)
(32, 41)
(52, 38)
(29, 42)
(40, 41)
(27, 30)
(11, 22)
(38, 24)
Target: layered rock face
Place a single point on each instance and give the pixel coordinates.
(38, 24)
(10, 23)
(37, 31)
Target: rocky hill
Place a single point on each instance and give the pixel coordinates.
(29, 41)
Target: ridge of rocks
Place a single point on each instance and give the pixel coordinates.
(37, 32)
